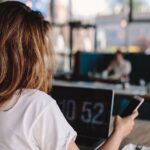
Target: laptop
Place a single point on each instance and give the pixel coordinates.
(88, 110)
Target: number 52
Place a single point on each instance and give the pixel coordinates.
(87, 112)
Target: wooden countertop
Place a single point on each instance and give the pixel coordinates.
(140, 134)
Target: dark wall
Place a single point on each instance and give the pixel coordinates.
(96, 62)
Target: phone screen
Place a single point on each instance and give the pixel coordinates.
(130, 107)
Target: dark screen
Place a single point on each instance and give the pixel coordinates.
(130, 108)
(87, 110)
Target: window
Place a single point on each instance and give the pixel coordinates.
(114, 21)
(42, 5)
(90, 9)
(83, 39)
(141, 9)
(139, 41)
(60, 11)
(61, 46)
(110, 36)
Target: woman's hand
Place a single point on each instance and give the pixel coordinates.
(124, 126)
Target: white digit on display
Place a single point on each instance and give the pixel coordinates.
(100, 108)
(87, 112)
(70, 110)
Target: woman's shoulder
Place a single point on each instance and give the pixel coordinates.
(38, 96)
(36, 100)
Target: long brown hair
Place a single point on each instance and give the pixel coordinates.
(26, 52)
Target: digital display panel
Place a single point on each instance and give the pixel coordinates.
(87, 110)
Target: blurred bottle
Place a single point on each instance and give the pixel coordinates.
(105, 74)
(142, 82)
(125, 82)
(148, 88)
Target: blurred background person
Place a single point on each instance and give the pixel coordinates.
(119, 68)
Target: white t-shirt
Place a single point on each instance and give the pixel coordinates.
(35, 122)
(124, 68)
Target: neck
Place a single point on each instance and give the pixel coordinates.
(4, 105)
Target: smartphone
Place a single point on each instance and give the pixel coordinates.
(133, 105)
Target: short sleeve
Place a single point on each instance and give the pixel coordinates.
(127, 68)
(51, 130)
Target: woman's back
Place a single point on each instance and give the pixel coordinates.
(34, 122)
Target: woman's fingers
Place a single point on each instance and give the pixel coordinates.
(134, 115)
